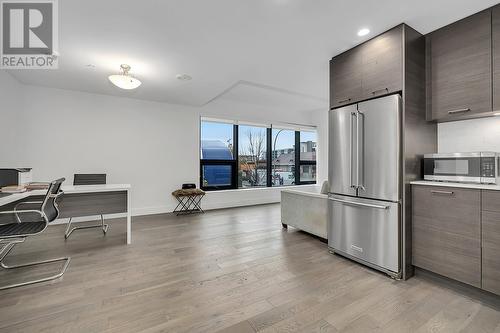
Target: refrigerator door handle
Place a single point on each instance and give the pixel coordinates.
(360, 159)
(351, 154)
(359, 204)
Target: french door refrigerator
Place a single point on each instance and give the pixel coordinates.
(365, 186)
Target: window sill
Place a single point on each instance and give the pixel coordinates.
(262, 188)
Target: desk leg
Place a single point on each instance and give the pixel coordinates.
(129, 219)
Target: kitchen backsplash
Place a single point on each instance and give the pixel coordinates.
(469, 135)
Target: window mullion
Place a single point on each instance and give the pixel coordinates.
(235, 169)
(297, 158)
(269, 156)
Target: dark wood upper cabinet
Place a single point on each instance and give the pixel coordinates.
(496, 56)
(459, 69)
(368, 70)
(382, 70)
(345, 78)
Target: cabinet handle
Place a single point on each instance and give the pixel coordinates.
(375, 92)
(443, 192)
(344, 101)
(459, 111)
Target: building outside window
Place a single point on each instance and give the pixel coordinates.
(283, 162)
(217, 155)
(307, 163)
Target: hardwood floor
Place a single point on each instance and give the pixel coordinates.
(232, 270)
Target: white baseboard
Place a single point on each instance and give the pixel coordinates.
(142, 211)
(243, 203)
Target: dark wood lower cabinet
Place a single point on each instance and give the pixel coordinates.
(447, 232)
(491, 252)
(456, 233)
(491, 241)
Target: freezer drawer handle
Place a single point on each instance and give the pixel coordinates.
(442, 192)
(359, 204)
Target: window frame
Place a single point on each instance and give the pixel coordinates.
(294, 133)
(302, 162)
(237, 151)
(234, 163)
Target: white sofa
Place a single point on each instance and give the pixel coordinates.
(305, 209)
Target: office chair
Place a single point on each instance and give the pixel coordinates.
(87, 179)
(15, 233)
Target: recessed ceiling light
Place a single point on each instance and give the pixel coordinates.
(363, 32)
(124, 80)
(183, 77)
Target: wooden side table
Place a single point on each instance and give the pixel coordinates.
(189, 201)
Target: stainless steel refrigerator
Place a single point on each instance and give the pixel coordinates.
(365, 183)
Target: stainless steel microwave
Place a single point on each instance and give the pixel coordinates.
(480, 167)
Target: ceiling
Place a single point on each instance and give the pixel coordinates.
(279, 45)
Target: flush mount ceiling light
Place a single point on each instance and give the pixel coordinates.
(363, 32)
(124, 80)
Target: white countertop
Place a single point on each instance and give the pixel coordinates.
(459, 185)
(66, 189)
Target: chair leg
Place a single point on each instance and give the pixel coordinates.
(70, 230)
(104, 226)
(8, 246)
(6, 250)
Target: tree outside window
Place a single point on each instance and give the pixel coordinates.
(252, 156)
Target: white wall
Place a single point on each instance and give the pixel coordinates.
(11, 98)
(153, 146)
(320, 119)
(469, 135)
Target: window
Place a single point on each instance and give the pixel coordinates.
(217, 162)
(307, 164)
(283, 163)
(252, 156)
(247, 156)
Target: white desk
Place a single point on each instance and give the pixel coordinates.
(80, 189)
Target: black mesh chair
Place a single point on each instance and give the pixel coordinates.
(88, 179)
(30, 225)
